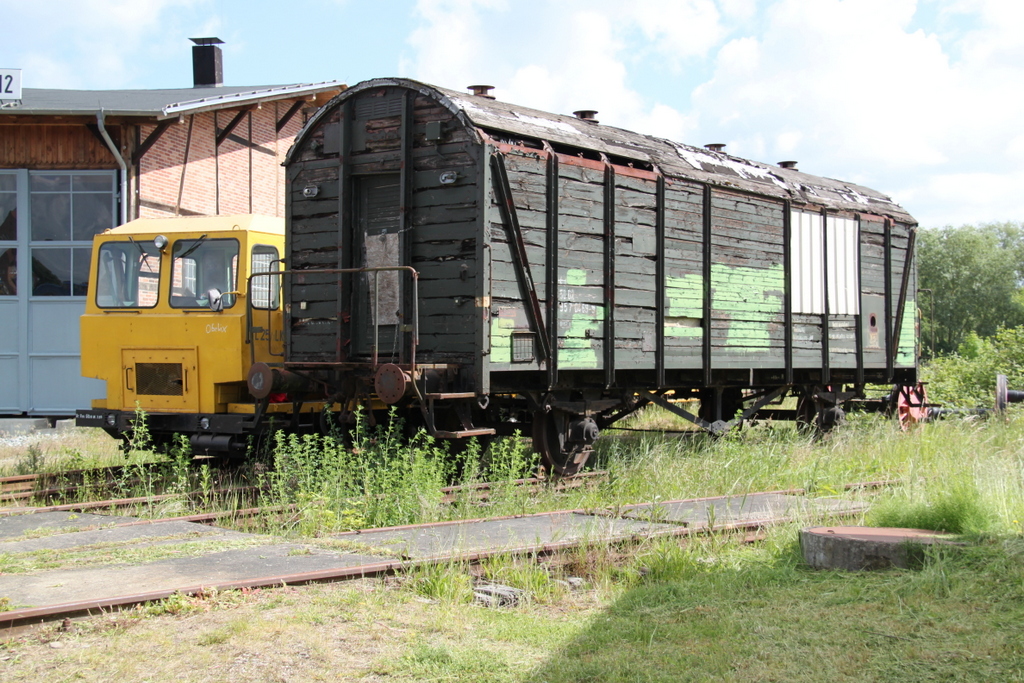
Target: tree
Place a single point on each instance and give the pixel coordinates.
(974, 274)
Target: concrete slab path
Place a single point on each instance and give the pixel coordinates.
(209, 557)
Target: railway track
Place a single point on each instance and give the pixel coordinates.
(479, 492)
(541, 535)
(449, 495)
(43, 485)
(47, 487)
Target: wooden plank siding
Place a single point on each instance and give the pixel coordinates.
(442, 220)
(747, 281)
(684, 251)
(475, 306)
(53, 147)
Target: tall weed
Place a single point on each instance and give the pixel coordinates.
(372, 476)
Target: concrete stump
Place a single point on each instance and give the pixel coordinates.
(857, 548)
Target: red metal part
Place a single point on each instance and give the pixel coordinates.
(911, 405)
(391, 383)
(893, 535)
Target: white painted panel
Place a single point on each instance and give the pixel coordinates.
(54, 326)
(843, 276)
(57, 386)
(9, 383)
(10, 326)
(808, 264)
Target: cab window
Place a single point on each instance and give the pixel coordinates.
(199, 265)
(128, 275)
(265, 288)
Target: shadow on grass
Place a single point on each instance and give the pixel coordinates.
(766, 616)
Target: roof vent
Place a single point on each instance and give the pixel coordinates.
(482, 91)
(715, 146)
(788, 164)
(207, 63)
(588, 115)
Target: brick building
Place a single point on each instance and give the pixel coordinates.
(75, 162)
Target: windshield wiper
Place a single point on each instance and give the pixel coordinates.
(192, 248)
(142, 251)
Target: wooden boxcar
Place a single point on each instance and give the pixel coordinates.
(489, 267)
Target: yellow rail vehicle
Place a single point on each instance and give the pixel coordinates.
(179, 309)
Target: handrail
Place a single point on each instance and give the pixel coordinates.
(414, 274)
(249, 315)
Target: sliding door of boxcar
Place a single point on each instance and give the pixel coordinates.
(377, 313)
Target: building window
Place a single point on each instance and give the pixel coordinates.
(61, 271)
(8, 234)
(67, 209)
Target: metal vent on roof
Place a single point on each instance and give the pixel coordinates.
(588, 115)
(482, 91)
(715, 146)
(788, 164)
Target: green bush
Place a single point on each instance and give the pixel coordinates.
(375, 476)
(968, 378)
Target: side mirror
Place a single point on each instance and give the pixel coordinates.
(216, 299)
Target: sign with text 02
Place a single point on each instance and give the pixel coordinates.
(10, 84)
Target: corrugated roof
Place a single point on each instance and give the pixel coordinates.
(673, 159)
(159, 104)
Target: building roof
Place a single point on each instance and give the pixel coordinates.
(159, 104)
(511, 122)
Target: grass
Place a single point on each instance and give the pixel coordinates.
(60, 449)
(123, 552)
(760, 615)
(376, 478)
(712, 609)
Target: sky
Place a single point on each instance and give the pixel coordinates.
(922, 100)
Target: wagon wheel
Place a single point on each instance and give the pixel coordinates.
(806, 410)
(560, 456)
(911, 404)
(815, 414)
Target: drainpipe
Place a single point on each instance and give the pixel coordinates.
(120, 162)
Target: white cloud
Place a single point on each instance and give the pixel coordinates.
(853, 90)
(108, 36)
(561, 57)
(677, 28)
(965, 198)
(452, 43)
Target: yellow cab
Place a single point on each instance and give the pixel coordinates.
(178, 311)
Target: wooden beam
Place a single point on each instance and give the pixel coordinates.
(520, 260)
(288, 115)
(609, 274)
(151, 139)
(184, 165)
(223, 134)
(908, 263)
(551, 225)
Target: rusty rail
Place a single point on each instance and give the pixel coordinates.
(748, 530)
